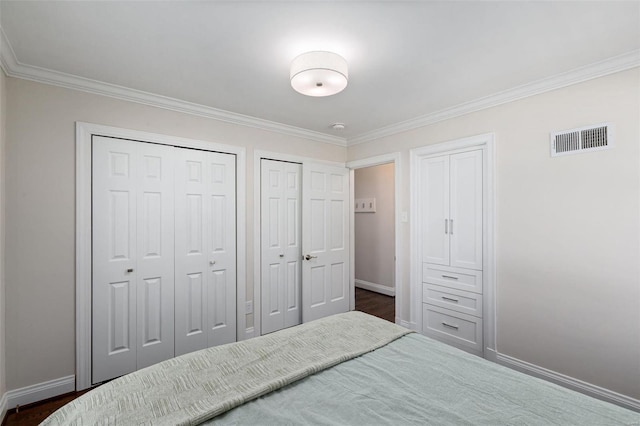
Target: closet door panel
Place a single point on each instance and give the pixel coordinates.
(164, 250)
(280, 244)
(325, 234)
(114, 272)
(466, 210)
(272, 245)
(191, 255)
(291, 265)
(220, 214)
(155, 255)
(435, 208)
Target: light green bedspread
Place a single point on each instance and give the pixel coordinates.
(411, 380)
(416, 380)
(192, 388)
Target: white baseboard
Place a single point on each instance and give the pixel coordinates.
(378, 288)
(40, 391)
(3, 407)
(403, 323)
(490, 355)
(567, 381)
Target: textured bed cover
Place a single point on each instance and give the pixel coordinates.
(416, 380)
(195, 387)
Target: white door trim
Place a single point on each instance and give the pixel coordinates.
(84, 131)
(486, 142)
(396, 159)
(256, 330)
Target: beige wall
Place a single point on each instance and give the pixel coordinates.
(40, 330)
(568, 234)
(375, 232)
(3, 113)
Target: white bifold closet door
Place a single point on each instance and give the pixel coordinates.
(281, 247)
(133, 256)
(205, 253)
(164, 253)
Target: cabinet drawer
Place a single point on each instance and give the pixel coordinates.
(464, 331)
(457, 300)
(458, 278)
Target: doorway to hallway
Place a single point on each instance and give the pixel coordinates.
(374, 240)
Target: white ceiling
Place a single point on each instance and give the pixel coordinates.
(406, 59)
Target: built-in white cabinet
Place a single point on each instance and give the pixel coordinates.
(163, 253)
(451, 201)
(452, 209)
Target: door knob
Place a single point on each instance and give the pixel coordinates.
(130, 270)
(212, 262)
(309, 257)
(282, 255)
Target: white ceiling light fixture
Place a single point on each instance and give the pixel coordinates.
(319, 73)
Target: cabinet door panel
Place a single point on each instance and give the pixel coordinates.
(435, 208)
(465, 228)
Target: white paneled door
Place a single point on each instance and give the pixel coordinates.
(325, 241)
(281, 245)
(164, 253)
(133, 276)
(205, 245)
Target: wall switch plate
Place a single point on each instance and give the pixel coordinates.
(249, 307)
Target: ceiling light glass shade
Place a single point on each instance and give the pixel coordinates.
(319, 73)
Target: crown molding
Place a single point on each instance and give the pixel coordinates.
(599, 69)
(13, 68)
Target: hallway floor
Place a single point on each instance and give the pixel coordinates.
(376, 304)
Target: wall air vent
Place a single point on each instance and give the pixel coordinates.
(583, 139)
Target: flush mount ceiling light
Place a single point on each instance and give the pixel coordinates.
(319, 73)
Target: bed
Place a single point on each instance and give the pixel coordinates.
(345, 369)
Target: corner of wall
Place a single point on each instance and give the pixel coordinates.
(3, 389)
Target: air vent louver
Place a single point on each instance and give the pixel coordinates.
(592, 138)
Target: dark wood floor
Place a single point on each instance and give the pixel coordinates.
(372, 303)
(376, 304)
(34, 414)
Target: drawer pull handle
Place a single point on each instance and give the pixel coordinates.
(455, 327)
(450, 277)
(450, 299)
(446, 226)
